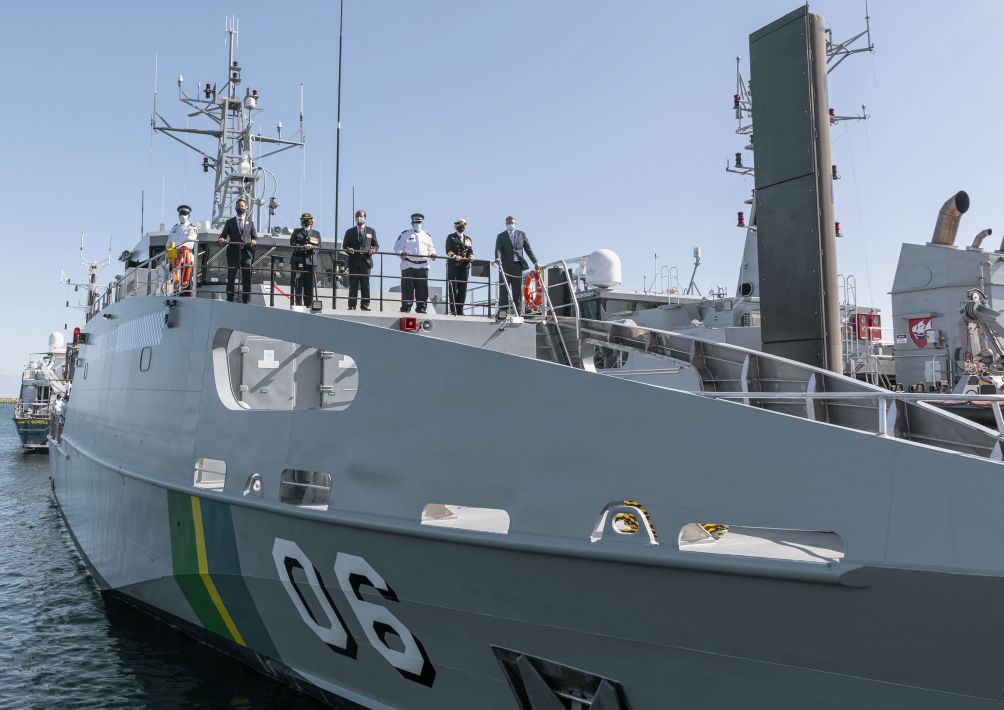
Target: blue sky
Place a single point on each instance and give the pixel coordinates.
(599, 124)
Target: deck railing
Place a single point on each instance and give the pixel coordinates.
(272, 276)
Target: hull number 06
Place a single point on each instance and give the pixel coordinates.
(378, 623)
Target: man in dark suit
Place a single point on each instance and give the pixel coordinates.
(360, 242)
(241, 238)
(509, 248)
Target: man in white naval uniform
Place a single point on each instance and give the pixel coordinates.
(416, 249)
(184, 234)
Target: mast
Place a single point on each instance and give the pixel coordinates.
(236, 167)
(338, 118)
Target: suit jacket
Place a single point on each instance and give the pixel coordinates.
(359, 263)
(239, 250)
(509, 255)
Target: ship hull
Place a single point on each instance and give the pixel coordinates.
(741, 640)
(33, 432)
(362, 604)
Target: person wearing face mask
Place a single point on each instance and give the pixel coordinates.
(509, 248)
(460, 252)
(304, 241)
(185, 237)
(184, 232)
(416, 249)
(360, 243)
(241, 238)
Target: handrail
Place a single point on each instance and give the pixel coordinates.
(757, 379)
(549, 311)
(571, 290)
(883, 394)
(158, 282)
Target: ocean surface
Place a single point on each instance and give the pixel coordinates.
(63, 644)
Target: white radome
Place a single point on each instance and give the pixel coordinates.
(57, 343)
(603, 269)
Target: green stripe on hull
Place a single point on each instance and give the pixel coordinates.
(184, 557)
(217, 592)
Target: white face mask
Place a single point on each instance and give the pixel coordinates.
(417, 226)
(360, 221)
(510, 227)
(183, 218)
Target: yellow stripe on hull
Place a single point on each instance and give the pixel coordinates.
(200, 550)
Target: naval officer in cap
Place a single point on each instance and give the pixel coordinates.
(416, 249)
(184, 232)
(184, 235)
(460, 252)
(304, 241)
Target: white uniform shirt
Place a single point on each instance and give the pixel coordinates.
(185, 235)
(417, 245)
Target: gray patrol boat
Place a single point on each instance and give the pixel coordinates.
(308, 492)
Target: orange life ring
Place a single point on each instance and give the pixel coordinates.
(533, 290)
(183, 267)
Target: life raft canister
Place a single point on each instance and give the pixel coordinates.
(533, 290)
(183, 267)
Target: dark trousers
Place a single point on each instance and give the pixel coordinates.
(303, 285)
(245, 270)
(359, 284)
(414, 281)
(516, 284)
(456, 287)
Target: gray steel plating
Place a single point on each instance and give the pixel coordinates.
(360, 601)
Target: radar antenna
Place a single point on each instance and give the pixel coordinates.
(93, 267)
(237, 169)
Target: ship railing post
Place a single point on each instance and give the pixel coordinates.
(381, 283)
(271, 282)
(883, 412)
(334, 282)
(998, 418)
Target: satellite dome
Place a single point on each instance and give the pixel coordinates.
(603, 269)
(57, 343)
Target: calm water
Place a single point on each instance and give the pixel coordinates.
(63, 644)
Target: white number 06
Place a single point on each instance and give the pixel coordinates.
(378, 623)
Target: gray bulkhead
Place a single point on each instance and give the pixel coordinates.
(931, 281)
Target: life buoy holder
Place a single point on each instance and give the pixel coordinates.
(533, 290)
(183, 268)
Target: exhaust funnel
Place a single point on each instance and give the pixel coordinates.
(949, 215)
